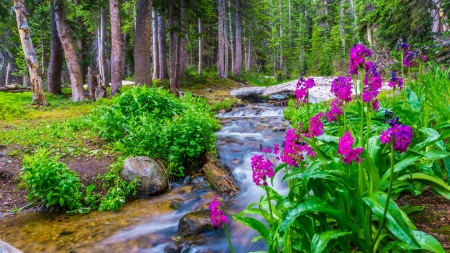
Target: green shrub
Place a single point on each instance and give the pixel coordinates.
(298, 115)
(51, 182)
(152, 122)
(223, 104)
(118, 189)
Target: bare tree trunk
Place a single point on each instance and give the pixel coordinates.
(369, 36)
(237, 70)
(116, 47)
(142, 48)
(73, 64)
(81, 42)
(101, 48)
(353, 10)
(221, 41)
(8, 69)
(231, 42)
(247, 61)
(155, 43)
(226, 46)
(200, 48)
(183, 52)
(56, 57)
(163, 71)
(124, 51)
(174, 50)
(29, 52)
(341, 27)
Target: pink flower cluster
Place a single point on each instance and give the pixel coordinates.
(294, 150)
(302, 88)
(261, 169)
(345, 149)
(401, 135)
(342, 87)
(372, 85)
(216, 215)
(395, 81)
(335, 111)
(316, 125)
(358, 53)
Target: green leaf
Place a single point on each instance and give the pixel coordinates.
(328, 138)
(320, 241)
(432, 139)
(446, 162)
(436, 154)
(438, 184)
(408, 160)
(432, 132)
(413, 100)
(254, 224)
(394, 220)
(428, 242)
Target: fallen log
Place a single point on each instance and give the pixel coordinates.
(220, 179)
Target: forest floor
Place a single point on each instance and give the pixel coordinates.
(28, 126)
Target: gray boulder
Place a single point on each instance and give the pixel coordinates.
(151, 175)
(195, 223)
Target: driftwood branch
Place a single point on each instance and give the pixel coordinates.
(220, 179)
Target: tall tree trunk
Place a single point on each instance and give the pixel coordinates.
(81, 42)
(142, 48)
(73, 64)
(29, 52)
(8, 69)
(174, 49)
(124, 51)
(353, 11)
(237, 70)
(183, 42)
(231, 42)
(341, 27)
(101, 48)
(369, 35)
(163, 71)
(116, 47)
(227, 44)
(200, 48)
(221, 41)
(155, 44)
(247, 61)
(56, 57)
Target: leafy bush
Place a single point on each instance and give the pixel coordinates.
(118, 189)
(152, 122)
(51, 182)
(297, 114)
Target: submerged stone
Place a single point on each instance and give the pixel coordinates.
(195, 223)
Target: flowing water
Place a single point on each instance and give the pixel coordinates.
(150, 225)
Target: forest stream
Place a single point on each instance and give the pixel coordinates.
(150, 224)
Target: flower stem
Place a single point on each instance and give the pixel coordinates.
(403, 52)
(345, 117)
(386, 206)
(393, 99)
(268, 199)
(228, 237)
(361, 88)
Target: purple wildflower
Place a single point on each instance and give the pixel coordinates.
(345, 149)
(261, 169)
(357, 57)
(396, 81)
(216, 215)
(342, 87)
(335, 111)
(294, 150)
(376, 105)
(302, 88)
(316, 125)
(423, 57)
(401, 135)
(403, 46)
